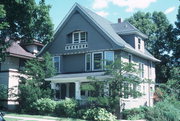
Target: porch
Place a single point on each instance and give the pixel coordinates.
(69, 85)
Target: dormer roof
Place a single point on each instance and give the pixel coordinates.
(125, 28)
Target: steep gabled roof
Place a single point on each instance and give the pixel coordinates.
(108, 29)
(17, 51)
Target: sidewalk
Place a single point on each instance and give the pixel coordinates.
(28, 119)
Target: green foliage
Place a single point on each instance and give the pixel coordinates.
(167, 110)
(3, 94)
(29, 94)
(160, 39)
(121, 75)
(99, 114)
(28, 20)
(44, 106)
(33, 86)
(134, 114)
(3, 27)
(66, 108)
(163, 111)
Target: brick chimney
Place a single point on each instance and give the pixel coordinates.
(119, 20)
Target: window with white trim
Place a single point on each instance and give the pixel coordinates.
(139, 43)
(56, 62)
(97, 61)
(79, 37)
(141, 69)
(88, 62)
(109, 57)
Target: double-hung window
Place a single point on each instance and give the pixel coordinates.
(97, 61)
(141, 69)
(56, 62)
(79, 37)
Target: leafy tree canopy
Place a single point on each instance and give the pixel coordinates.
(160, 37)
(28, 20)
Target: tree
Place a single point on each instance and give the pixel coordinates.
(122, 83)
(160, 36)
(3, 27)
(176, 45)
(33, 85)
(28, 20)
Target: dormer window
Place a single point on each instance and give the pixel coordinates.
(79, 37)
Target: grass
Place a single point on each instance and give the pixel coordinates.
(37, 117)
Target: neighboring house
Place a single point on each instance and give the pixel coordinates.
(83, 39)
(18, 54)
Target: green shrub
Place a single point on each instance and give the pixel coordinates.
(44, 106)
(163, 111)
(66, 108)
(134, 114)
(99, 114)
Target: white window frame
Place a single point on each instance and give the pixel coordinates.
(105, 58)
(93, 61)
(139, 43)
(141, 65)
(79, 37)
(59, 63)
(86, 61)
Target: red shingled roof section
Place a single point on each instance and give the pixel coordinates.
(16, 50)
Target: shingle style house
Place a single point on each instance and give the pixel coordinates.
(83, 39)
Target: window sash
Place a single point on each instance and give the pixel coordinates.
(88, 62)
(141, 69)
(97, 61)
(79, 37)
(56, 62)
(109, 57)
(83, 37)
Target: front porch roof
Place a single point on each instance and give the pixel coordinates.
(77, 77)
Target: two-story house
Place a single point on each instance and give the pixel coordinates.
(18, 54)
(83, 39)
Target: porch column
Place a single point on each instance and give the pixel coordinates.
(77, 90)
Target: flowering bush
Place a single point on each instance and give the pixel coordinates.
(99, 114)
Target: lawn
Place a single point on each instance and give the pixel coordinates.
(25, 117)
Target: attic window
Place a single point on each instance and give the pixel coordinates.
(79, 37)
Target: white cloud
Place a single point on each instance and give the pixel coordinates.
(102, 13)
(130, 4)
(169, 10)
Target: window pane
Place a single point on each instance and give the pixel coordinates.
(97, 61)
(88, 62)
(109, 57)
(57, 63)
(76, 37)
(83, 36)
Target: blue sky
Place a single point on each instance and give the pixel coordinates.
(114, 9)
